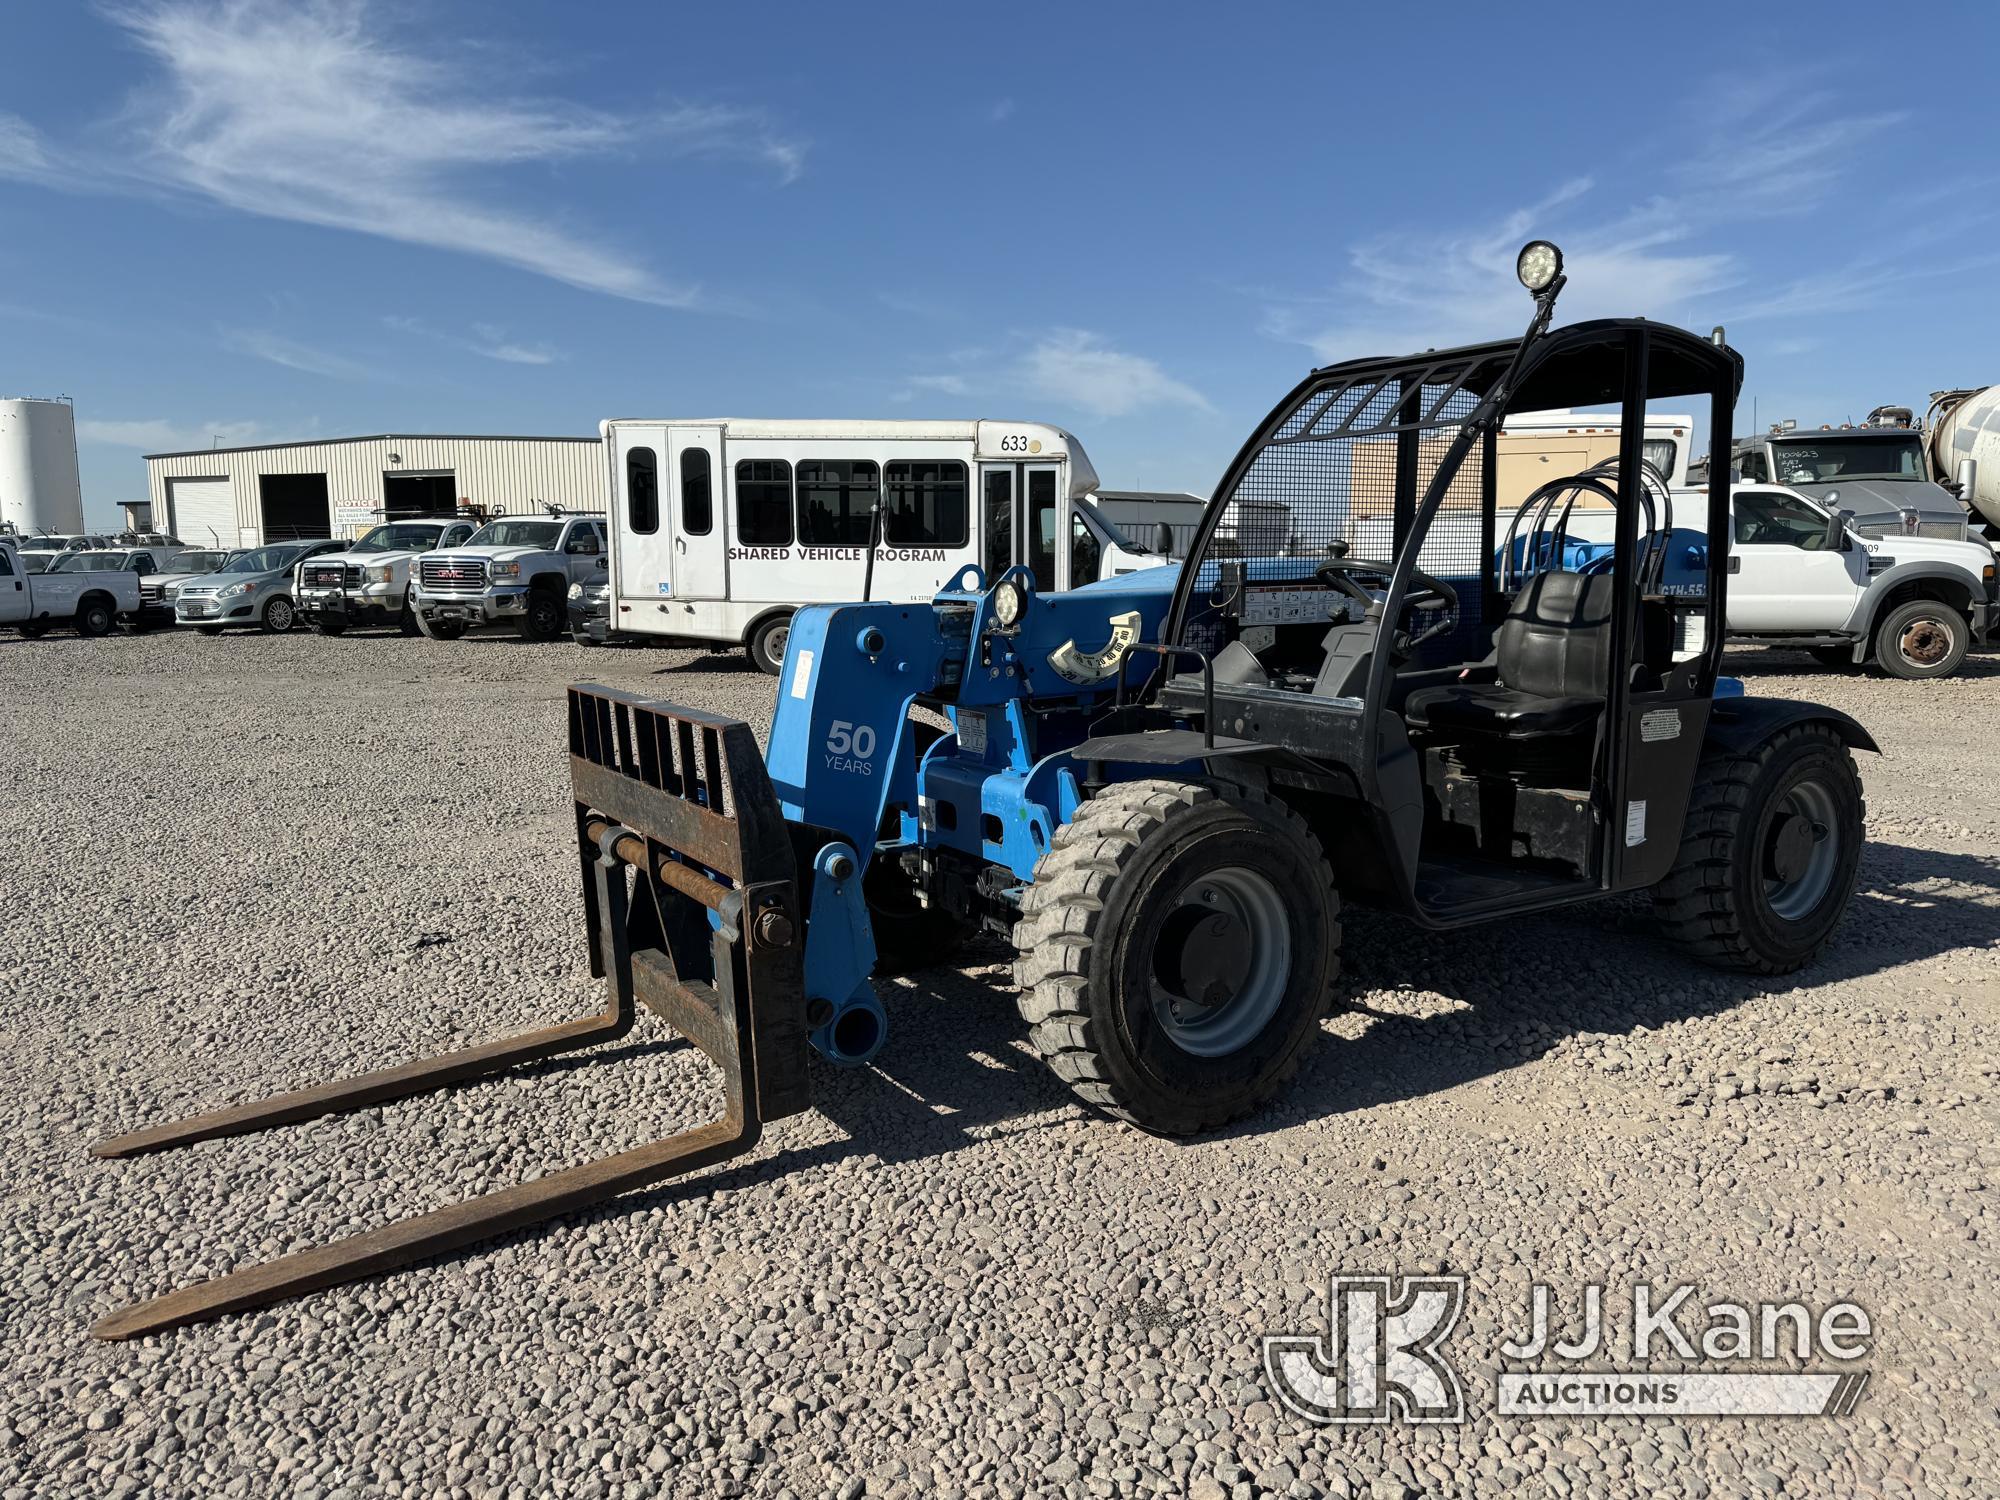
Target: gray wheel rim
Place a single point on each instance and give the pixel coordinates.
(774, 644)
(1794, 899)
(281, 615)
(1925, 641)
(1244, 896)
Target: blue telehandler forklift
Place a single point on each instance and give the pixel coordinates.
(1163, 787)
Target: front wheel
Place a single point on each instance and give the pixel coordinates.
(767, 644)
(279, 616)
(1769, 853)
(1178, 950)
(1924, 638)
(406, 621)
(544, 619)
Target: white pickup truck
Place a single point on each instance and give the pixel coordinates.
(513, 571)
(89, 601)
(1801, 575)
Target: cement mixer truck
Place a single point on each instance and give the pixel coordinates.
(1962, 433)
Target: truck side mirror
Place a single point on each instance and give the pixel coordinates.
(1163, 537)
(1836, 531)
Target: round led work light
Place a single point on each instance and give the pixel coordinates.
(1538, 265)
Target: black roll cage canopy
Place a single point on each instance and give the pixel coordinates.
(1624, 360)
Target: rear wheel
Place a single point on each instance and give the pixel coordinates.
(1769, 853)
(1178, 950)
(278, 617)
(95, 617)
(544, 619)
(1924, 638)
(767, 644)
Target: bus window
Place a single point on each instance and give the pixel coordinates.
(837, 501)
(926, 505)
(999, 529)
(1042, 528)
(642, 490)
(1085, 552)
(697, 494)
(1660, 453)
(764, 502)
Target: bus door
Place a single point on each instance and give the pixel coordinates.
(693, 483)
(1022, 522)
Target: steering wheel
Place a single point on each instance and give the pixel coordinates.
(1425, 591)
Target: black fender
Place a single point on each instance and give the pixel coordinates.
(1740, 725)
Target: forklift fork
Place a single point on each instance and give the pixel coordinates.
(691, 909)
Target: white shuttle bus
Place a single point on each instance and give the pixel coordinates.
(720, 528)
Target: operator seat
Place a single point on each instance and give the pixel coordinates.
(1552, 657)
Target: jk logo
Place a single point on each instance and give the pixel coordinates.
(1380, 1360)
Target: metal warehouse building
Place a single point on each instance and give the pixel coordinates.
(243, 497)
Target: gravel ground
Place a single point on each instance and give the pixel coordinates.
(250, 863)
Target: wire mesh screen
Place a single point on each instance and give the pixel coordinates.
(1330, 474)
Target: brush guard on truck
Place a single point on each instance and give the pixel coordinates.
(705, 931)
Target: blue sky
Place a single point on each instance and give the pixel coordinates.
(272, 221)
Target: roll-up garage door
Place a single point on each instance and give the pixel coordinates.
(202, 512)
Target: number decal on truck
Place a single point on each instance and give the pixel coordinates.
(850, 747)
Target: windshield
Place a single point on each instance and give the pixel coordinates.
(1824, 458)
(402, 536)
(516, 534)
(196, 562)
(86, 562)
(262, 560)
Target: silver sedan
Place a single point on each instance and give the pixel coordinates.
(253, 588)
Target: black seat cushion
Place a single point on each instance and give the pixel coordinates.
(1469, 709)
(1552, 656)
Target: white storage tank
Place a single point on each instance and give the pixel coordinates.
(39, 488)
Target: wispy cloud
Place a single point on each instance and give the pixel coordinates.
(488, 340)
(160, 434)
(1067, 367)
(1670, 244)
(318, 113)
(261, 343)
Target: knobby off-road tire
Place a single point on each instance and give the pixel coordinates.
(1769, 853)
(1130, 908)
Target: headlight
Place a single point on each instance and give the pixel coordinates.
(505, 570)
(576, 591)
(237, 588)
(1007, 604)
(384, 574)
(1538, 264)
